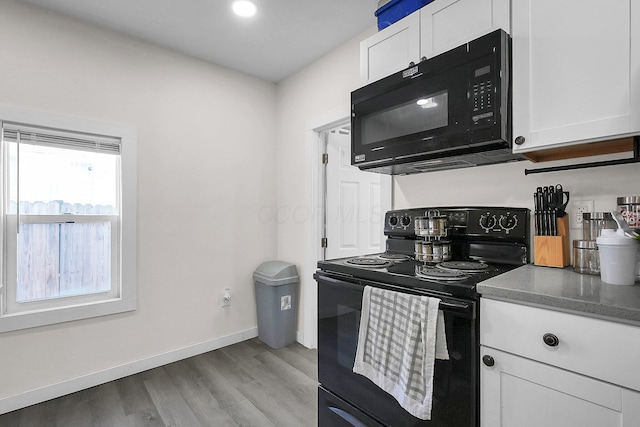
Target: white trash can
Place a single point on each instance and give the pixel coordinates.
(276, 284)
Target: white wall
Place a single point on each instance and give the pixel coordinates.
(507, 185)
(319, 93)
(206, 166)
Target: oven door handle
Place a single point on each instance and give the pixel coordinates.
(338, 282)
(347, 417)
(444, 304)
(455, 305)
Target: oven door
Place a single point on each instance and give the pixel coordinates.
(455, 400)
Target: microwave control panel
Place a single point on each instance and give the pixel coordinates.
(483, 93)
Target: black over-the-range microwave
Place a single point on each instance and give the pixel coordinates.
(447, 112)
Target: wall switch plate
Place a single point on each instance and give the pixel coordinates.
(578, 208)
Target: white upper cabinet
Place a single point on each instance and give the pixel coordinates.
(576, 71)
(390, 50)
(446, 24)
(434, 29)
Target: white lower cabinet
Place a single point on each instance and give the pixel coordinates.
(519, 392)
(541, 367)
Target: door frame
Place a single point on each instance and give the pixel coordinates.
(314, 148)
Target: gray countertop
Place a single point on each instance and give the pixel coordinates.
(563, 289)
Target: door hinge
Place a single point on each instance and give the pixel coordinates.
(323, 242)
(325, 158)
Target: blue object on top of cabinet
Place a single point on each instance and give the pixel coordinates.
(395, 10)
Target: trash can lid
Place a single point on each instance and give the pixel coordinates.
(275, 273)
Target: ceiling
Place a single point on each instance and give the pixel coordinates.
(282, 38)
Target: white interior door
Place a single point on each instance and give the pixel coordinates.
(356, 202)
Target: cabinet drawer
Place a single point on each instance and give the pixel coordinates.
(598, 348)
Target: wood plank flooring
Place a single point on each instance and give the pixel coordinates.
(245, 384)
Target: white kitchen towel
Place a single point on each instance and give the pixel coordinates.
(400, 336)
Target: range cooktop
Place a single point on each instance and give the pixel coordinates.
(483, 241)
(409, 273)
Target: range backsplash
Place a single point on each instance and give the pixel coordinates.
(506, 185)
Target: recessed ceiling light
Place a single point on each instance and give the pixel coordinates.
(244, 8)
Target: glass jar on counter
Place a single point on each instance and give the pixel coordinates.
(594, 222)
(629, 207)
(586, 259)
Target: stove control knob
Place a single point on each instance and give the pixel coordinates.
(487, 222)
(508, 222)
(405, 221)
(488, 360)
(393, 221)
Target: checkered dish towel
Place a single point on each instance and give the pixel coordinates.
(400, 337)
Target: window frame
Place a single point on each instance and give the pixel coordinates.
(73, 308)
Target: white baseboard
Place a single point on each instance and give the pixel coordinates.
(73, 385)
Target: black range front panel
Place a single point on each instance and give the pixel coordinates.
(350, 399)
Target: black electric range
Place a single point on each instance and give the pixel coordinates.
(483, 242)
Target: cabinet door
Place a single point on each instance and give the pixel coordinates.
(519, 392)
(575, 71)
(446, 24)
(390, 50)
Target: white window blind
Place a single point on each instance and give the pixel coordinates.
(60, 139)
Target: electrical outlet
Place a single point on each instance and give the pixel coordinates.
(580, 207)
(225, 297)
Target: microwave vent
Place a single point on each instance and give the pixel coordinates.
(430, 166)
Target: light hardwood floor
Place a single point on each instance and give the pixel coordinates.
(245, 384)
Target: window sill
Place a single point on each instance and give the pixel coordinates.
(25, 320)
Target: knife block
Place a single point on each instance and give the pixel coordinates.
(553, 251)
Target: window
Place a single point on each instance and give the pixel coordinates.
(66, 204)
